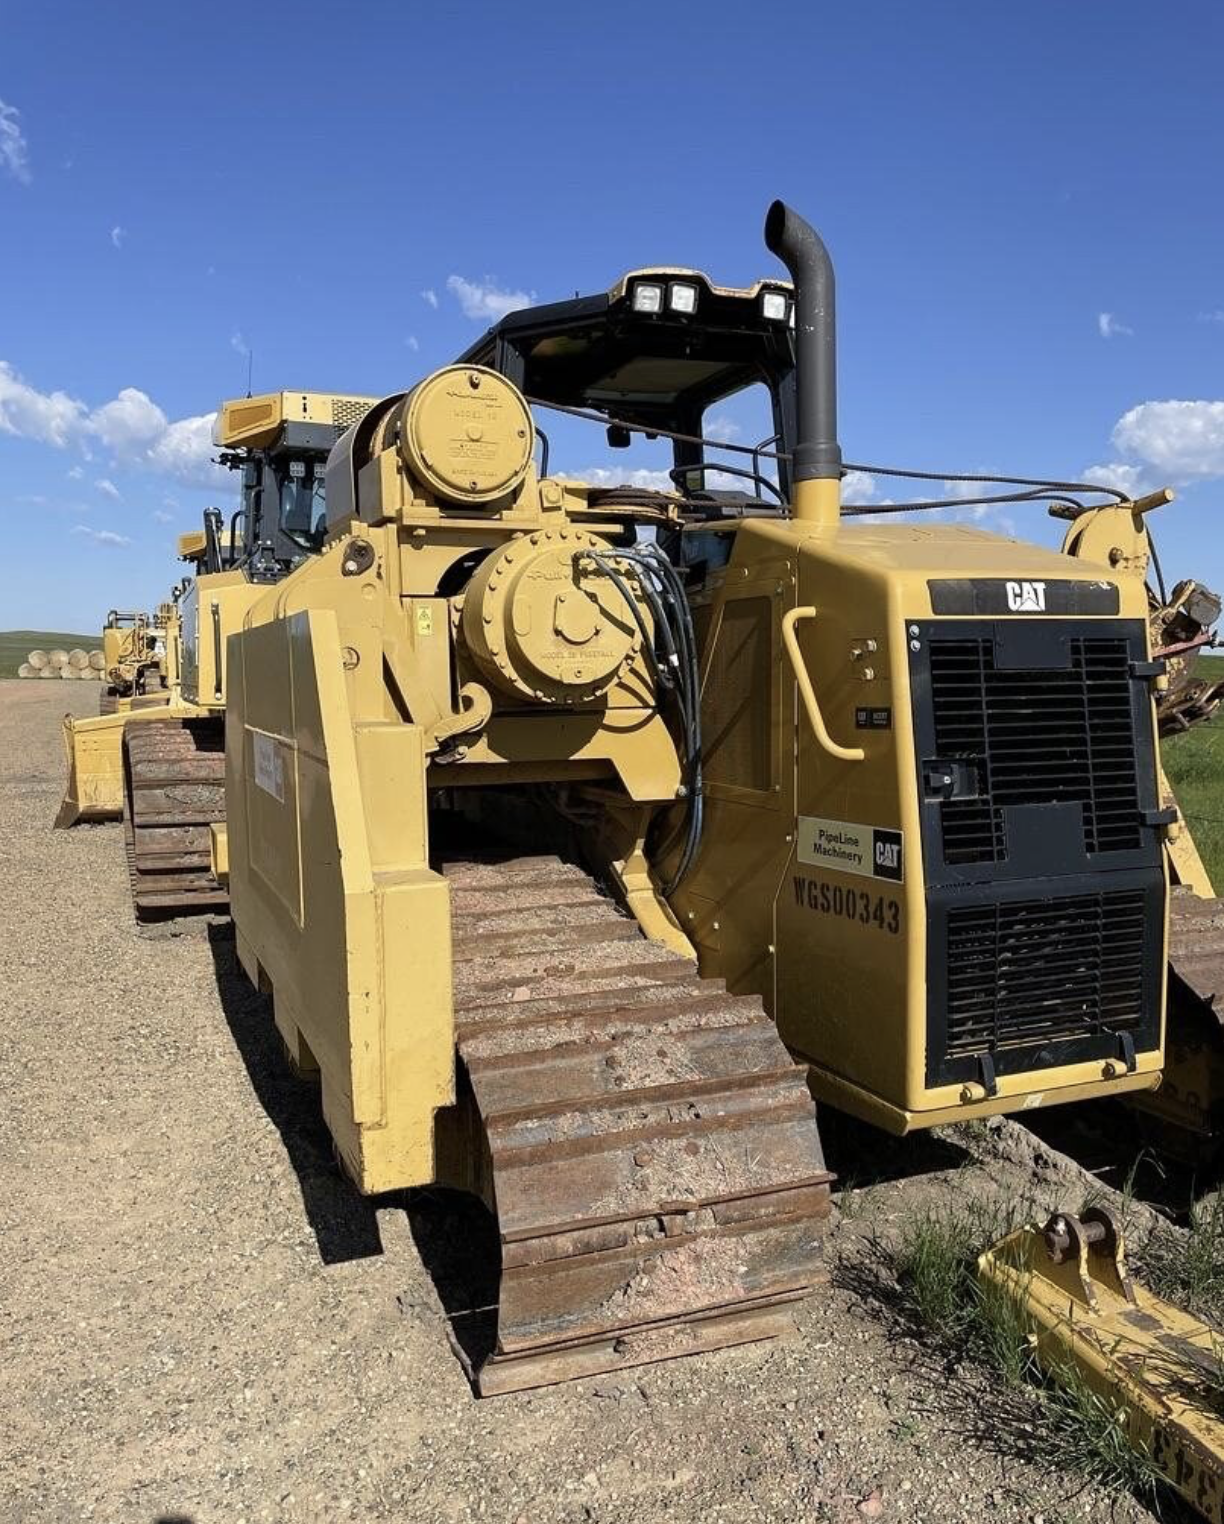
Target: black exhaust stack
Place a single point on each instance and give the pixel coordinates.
(816, 463)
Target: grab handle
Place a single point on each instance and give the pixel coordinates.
(790, 640)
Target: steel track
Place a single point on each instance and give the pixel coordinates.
(174, 789)
(651, 1147)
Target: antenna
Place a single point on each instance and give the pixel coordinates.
(250, 368)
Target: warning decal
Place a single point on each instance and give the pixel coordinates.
(871, 851)
(269, 770)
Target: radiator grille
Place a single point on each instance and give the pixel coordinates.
(1037, 736)
(1037, 971)
(346, 411)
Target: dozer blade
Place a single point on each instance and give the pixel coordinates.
(94, 753)
(651, 1148)
(174, 778)
(1160, 1368)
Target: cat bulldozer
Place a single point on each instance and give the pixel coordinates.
(162, 768)
(582, 835)
(142, 657)
(136, 656)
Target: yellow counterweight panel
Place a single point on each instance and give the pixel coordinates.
(333, 888)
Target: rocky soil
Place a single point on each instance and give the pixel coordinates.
(200, 1321)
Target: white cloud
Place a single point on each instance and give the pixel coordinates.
(430, 298)
(412, 342)
(968, 489)
(160, 517)
(857, 487)
(117, 235)
(185, 451)
(611, 476)
(485, 300)
(1170, 443)
(238, 344)
(720, 428)
(14, 150)
(1216, 315)
(1133, 480)
(108, 489)
(131, 426)
(1109, 327)
(1183, 440)
(76, 473)
(101, 536)
(51, 417)
(128, 424)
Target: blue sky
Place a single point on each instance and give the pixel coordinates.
(1023, 202)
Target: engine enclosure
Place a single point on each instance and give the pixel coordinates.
(844, 932)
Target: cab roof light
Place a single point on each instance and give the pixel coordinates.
(774, 305)
(647, 297)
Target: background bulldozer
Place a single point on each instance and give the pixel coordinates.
(162, 768)
(542, 798)
(138, 655)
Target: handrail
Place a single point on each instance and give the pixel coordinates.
(790, 640)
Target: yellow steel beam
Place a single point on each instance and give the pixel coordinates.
(1162, 1368)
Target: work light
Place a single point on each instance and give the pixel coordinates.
(773, 306)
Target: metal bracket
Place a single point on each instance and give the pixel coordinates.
(1148, 671)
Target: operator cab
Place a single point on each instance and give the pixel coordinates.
(660, 350)
(279, 443)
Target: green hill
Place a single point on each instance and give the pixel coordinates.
(15, 644)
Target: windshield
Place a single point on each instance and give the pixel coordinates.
(303, 511)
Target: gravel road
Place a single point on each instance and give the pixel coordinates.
(201, 1322)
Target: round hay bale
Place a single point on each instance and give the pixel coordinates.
(57, 658)
(37, 659)
(49, 672)
(78, 658)
(96, 660)
(26, 670)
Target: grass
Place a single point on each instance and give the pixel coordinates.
(935, 1262)
(1189, 1270)
(16, 644)
(1194, 763)
(1071, 1426)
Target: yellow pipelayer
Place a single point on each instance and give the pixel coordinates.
(897, 784)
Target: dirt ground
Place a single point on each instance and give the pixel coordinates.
(201, 1322)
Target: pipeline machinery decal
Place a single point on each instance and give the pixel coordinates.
(870, 851)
